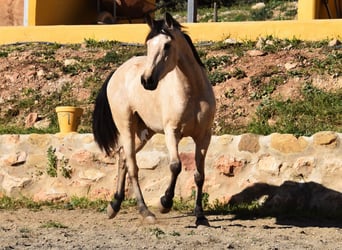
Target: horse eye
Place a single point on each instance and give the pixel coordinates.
(167, 46)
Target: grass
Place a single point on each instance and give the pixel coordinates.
(316, 111)
(249, 210)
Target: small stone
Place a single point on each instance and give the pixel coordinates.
(258, 6)
(42, 124)
(334, 42)
(256, 52)
(230, 41)
(289, 66)
(30, 120)
(40, 73)
(269, 42)
(70, 62)
(260, 43)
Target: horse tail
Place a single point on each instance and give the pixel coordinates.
(104, 129)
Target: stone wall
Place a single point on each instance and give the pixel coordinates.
(276, 169)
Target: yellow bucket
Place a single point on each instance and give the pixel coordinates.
(69, 118)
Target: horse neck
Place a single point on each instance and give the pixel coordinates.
(188, 64)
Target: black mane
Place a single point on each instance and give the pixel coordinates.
(159, 27)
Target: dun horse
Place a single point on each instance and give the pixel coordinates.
(167, 91)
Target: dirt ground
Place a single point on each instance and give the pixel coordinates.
(86, 229)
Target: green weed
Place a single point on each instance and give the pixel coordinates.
(157, 232)
(51, 169)
(53, 224)
(217, 77)
(3, 54)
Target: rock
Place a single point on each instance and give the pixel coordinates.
(269, 165)
(91, 174)
(287, 143)
(260, 43)
(13, 185)
(255, 52)
(230, 41)
(41, 73)
(16, 159)
(229, 167)
(70, 62)
(101, 193)
(304, 166)
(269, 42)
(50, 195)
(82, 157)
(150, 160)
(30, 120)
(42, 124)
(289, 66)
(334, 42)
(258, 6)
(249, 142)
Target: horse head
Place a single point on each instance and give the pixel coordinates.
(162, 54)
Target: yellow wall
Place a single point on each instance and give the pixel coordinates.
(305, 28)
(136, 33)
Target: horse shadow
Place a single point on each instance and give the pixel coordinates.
(292, 203)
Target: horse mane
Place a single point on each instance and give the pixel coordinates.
(159, 27)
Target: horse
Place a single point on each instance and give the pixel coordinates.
(166, 91)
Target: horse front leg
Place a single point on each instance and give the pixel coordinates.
(199, 176)
(166, 200)
(115, 205)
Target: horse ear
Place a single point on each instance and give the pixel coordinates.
(169, 21)
(149, 21)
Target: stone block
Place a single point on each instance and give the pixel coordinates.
(327, 139)
(250, 143)
(288, 143)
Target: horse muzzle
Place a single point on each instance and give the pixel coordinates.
(149, 83)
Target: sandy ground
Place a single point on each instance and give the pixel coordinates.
(86, 229)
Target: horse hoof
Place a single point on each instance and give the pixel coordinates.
(165, 205)
(164, 210)
(202, 221)
(151, 219)
(110, 211)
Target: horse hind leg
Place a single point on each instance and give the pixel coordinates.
(201, 151)
(142, 135)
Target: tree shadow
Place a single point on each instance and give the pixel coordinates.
(292, 203)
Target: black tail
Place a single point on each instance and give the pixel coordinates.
(104, 129)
